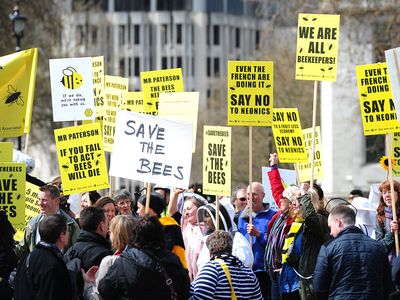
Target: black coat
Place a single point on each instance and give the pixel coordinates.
(137, 275)
(45, 278)
(91, 248)
(352, 266)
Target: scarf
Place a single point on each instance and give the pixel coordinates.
(289, 239)
(273, 253)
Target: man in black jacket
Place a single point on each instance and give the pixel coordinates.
(42, 274)
(92, 244)
(351, 266)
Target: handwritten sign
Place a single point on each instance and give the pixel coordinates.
(250, 93)
(317, 47)
(217, 160)
(6, 152)
(393, 65)
(156, 82)
(146, 148)
(288, 136)
(377, 107)
(81, 158)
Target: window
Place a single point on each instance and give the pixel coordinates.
(129, 66)
(257, 39)
(375, 147)
(94, 35)
(179, 34)
(164, 34)
(80, 33)
(179, 61)
(122, 66)
(164, 62)
(121, 35)
(237, 37)
(192, 33)
(216, 34)
(171, 62)
(136, 34)
(208, 66)
(216, 67)
(192, 66)
(136, 66)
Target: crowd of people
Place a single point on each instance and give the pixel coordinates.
(185, 246)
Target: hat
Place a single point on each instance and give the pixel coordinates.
(162, 187)
(157, 203)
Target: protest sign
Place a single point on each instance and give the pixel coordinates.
(181, 107)
(12, 192)
(115, 90)
(152, 149)
(288, 177)
(378, 112)
(395, 154)
(17, 89)
(288, 137)
(317, 47)
(71, 84)
(156, 82)
(133, 101)
(217, 160)
(81, 158)
(6, 152)
(31, 207)
(393, 65)
(98, 85)
(250, 93)
(304, 169)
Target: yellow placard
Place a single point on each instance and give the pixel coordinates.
(31, 207)
(396, 153)
(217, 160)
(288, 136)
(98, 86)
(317, 47)
(12, 192)
(6, 152)
(115, 89)
(17, 89)
(81, 158)
(250, 93)
(304, 169)
(378, 111)
(161, 81)
(181, 106)
(133, 101)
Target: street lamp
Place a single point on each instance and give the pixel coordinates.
(18, 25)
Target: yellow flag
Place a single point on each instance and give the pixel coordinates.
(17, 88)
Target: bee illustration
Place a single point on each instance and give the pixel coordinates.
(71, 78)
(65, 166)
(14, 96)
(232, 88)
(1, 68)
(19, 196)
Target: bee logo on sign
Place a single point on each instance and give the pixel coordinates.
(71, 78)
(14, 96)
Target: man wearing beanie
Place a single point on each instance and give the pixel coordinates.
(173, 233)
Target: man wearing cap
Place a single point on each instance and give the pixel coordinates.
(173, 233)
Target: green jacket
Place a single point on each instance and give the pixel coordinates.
(27, 244)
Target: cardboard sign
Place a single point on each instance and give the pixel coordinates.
(217, 160)
(98, 85)
(181, 107)
(317, 47)
(72, 89)
(17, 89)
(288, 135)
(81, 158)
(115, 90)
(156, 82)
(12, 192)
(393, 65)
(250, 93)
(152, 149)
(304, 169)
(133, 101)
(377, 107)
(6, 152)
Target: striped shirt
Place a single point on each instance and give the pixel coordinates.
(212, 283)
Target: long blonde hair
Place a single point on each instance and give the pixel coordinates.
(121, 227)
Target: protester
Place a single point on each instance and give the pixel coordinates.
(352, 265)
(145, 267)
(49, 203)
(89, 199)
(385, 225)
(224, 276)
(108, 205)
(239, 201)
(8, 258)
(258, 231)
(42, 274)
(123, 200)
(165, 192)
(121, 228)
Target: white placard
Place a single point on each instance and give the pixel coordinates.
(151, 149)
(72, 89)
(393, 65)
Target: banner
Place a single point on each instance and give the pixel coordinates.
(98, 85)
(317, 47)
(115, 90)
(156, 82)
(182, 107)
(250, 93)
(12, 192)
(133, 101)
(81, 158)
(288, 136)
(6, 152)
(304, 169)
(71, 81)
(17, 89)
(152, 149)
(378, 112)
(217, 161)
(393, 65)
